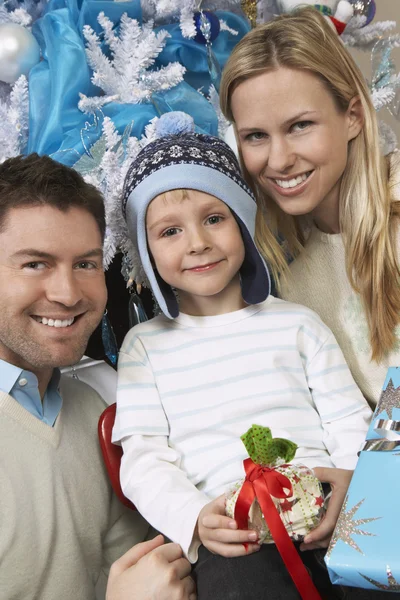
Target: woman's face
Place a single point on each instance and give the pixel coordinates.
(294, 140)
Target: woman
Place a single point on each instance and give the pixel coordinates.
(309, 145)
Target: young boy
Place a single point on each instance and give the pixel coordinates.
(223, 356)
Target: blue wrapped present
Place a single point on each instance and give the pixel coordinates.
(364, 550)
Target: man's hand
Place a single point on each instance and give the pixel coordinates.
(339, 480)
(220, 533)
(151, 571)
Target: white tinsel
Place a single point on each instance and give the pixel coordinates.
(125, 77)
(19, 16)
(5, 91)
(14, 120)
(167, 11)
(387, 138)
(23, 13)
(355, 35)
(223, 123)
(187, 25)
(384, 96)
(162, 11)
(106, 168)
(225, 27)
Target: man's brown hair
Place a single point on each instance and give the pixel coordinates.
(35, 180)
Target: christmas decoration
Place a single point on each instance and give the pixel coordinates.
(250, 9)
(359, 35)
(208, 21)
(24, 13)
(19, 51)
(136, 311)
(208, 28)
(337, 12)
(364, 8)
(109, 341)
(125, 77)
(105, 165)
(14, 116)
(392, 584)
(347, 527)
(389, 400)
(359, 556)
(387, 138)
(266, 10)
(223, 124)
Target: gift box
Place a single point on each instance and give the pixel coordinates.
(299, 500)
(364, 550)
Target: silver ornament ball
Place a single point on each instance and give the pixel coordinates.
(19, 51)
(364, 8)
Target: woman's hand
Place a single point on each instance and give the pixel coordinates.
(339, 479)
(220, 534)
(151, 571)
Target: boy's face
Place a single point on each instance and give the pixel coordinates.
(198, 249)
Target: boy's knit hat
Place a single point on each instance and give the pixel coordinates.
(198, 162)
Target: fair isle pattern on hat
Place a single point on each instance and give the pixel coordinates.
(188, 149)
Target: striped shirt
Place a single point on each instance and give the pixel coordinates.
(188, 388)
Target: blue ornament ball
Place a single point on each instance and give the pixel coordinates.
(364, 8)
(213, 23)
(371, 12)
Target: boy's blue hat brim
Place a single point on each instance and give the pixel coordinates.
(254, 276)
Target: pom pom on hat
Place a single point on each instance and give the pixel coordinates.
(174, 123)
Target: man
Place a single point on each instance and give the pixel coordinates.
(61, 526)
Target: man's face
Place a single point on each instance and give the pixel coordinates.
(52, 286)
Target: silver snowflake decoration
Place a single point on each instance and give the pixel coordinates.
(347, 526)
(125, 77)
(390, 399)
(391, 586)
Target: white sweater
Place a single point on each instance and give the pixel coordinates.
(188, 388)
(60, 523)
(319, 280)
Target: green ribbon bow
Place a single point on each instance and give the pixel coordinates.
(265, 450)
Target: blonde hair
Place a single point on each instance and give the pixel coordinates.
(177, 195)
(304, 40)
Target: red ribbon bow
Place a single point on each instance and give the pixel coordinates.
(262, 483)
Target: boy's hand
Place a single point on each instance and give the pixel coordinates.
(220, 534)
(151, 571)
(339, 479)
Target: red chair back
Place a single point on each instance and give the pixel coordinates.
(112, 453)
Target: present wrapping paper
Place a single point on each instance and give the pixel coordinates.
(364, 550)
(301, 511)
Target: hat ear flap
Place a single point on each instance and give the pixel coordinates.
(254, 275)
(168, 295)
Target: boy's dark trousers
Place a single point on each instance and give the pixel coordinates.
(263, 576)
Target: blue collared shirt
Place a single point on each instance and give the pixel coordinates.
(24, 388)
